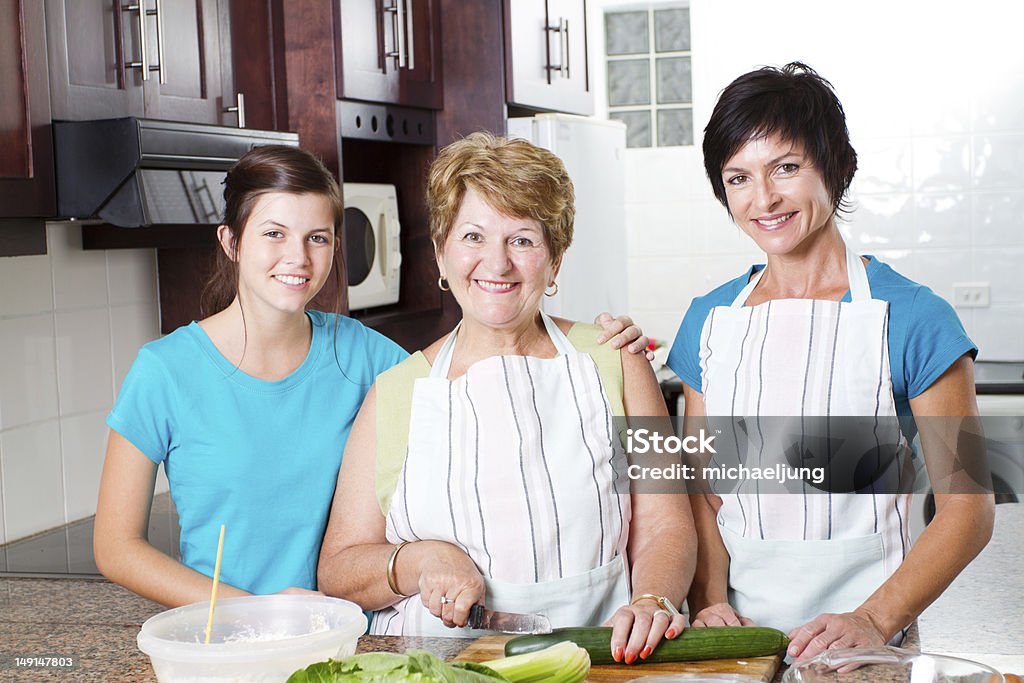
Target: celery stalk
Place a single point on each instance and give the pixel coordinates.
(563, 662)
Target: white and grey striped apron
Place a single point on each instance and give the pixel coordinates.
(512, 462)
(793, 556)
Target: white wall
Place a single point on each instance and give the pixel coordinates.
(71, 323)
(934, 95)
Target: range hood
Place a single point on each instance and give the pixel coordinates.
(135, 172)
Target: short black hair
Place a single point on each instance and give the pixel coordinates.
(793, 102)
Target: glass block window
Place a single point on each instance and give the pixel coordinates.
(649, 74)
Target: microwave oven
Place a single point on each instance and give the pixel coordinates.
(373, 254)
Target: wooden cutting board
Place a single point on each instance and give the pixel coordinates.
(763, 668)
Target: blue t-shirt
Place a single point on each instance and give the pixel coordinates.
(260, 457)
(925, 334)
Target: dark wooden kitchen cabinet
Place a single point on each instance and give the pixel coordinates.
(88, 42)
(388, 51)
(192, 46)
(546, 56)
(26, 151)
(158, 59)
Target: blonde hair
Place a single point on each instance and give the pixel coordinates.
(513, 176)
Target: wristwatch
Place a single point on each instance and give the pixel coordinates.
(663, 602)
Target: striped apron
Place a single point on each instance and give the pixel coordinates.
(793, 556)
(512, 462)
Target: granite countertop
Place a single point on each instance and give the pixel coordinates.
(981, 615)
(96, 622)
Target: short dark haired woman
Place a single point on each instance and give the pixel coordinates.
(818, 331)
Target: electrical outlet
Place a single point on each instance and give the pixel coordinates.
(970, 295)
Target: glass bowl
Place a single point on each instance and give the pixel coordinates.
(888, 665)
(695, 678)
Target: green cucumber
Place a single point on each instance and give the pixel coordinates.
(715, 642)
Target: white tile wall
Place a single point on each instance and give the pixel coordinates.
(884, 165)
(939, 193)
(1002, 329)
(85, 376)
(29, 276)
(1000, 268)
(79, 277)
(83, 443)
(28, 392)
(70, 324)
(131, 276)
(131, 326)
(33, 481)
(942, 163)
(997, 218)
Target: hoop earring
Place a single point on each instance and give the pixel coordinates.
(442, 284)
(552, 293)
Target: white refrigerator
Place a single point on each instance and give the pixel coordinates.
(593, 275)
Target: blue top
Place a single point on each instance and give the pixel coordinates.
(260, 457)
(925, 334)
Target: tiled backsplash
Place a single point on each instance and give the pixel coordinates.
(939, 193)
(71, 323)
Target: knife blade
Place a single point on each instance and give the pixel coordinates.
(507, 622)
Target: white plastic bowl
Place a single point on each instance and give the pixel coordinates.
(262, 638)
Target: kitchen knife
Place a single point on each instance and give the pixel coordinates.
(507, 622)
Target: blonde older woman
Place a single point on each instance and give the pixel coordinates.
(479, 470)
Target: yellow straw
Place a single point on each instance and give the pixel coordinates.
(216, 579)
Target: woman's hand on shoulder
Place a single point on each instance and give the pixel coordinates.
(450, 583)
(638, 628)
(622, 332)
(719, 614)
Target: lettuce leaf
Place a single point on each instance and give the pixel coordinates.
(388, 667)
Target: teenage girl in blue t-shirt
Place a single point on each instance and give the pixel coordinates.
(249, 408)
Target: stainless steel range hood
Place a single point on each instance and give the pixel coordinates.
(134, 172)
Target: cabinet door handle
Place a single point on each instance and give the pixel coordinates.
(400, 32)
(143, 62)
(158, 13)
(239, 109)
(397, 12)
(410, 51)
(564, 23)
(562, 29)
